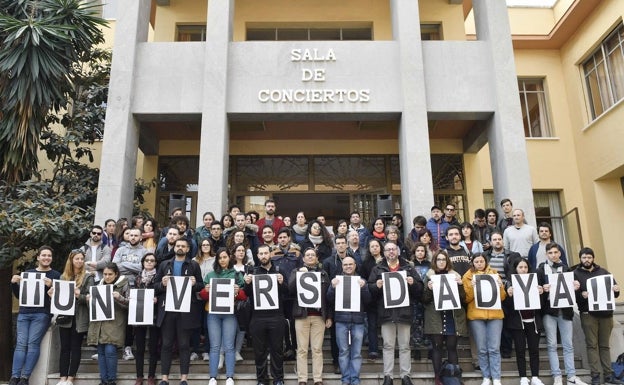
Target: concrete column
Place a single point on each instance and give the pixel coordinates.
(414, 152)
(508, 154)
(214, 149)
(121, 132)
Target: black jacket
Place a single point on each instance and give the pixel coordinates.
(282, 290)
(302, 312)
(542, 279)
(582, 276)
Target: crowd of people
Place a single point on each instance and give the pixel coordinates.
(239, 246)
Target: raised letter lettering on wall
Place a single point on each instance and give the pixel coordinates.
(266, 292)
(32, 289)
(178, 298)
(63, 299)
(141, 307)
(561, 293)
(445, 292)
(102, 306)
(600, 293)
(221, 299)
(309, 289)
(348, 293)
(486, 293)
(395, 289)
(525, 293)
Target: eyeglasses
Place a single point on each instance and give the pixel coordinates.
(96, 233)
(79, 251)
(150, 260)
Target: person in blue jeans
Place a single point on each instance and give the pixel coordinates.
(32, 322)
(349, 324)
(222, 328)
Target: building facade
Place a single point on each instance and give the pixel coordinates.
(330, 106)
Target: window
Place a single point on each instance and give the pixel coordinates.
(191, 33)
(431, 31)
(604, 73)
(305, 34)
(534, 108)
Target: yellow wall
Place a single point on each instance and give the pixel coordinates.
(179, 12)
(451, 17)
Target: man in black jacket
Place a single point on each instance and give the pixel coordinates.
(597, 324)
(395, 322)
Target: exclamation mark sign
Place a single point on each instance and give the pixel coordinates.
(608, 283)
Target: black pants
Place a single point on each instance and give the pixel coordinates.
(71, 343)
(523, 337)
(437, 341)
(267, 334)
(140, 335)
(172, 331)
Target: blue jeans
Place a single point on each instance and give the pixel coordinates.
(350, 356)
(107, 362)
(222, 329)
(551, 324)
(487, 334)
(31, 327)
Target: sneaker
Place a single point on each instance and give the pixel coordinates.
(239, 357)
(94, 357)
(486, 381)
(524, 381)
(229, 381)
(205, 356)
(497, 382)
(574, 380)
(213, 381)
(127, 354)
(194, 356)
(406, 380)
(69, 383)
(59, 383)
(595, 378)
(222, 360)
(536, 381)
(23, 381)
(611, 379)
(557, 380)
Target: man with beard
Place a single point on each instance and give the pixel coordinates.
(267, 326)
(355, 223)
(457, 254)
(167, 251)
(596, 324)
(176, 327)
(97, 253)
(438, 227)
(269, 219)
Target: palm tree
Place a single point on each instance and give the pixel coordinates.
(40, 42)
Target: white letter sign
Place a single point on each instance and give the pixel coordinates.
(178, 298)
(445, 292)
(486, 291)
(63, 299)
(221, 299)
(600, 293)
(141, 307)
(395, 289)
(102, 307)
(525, 293)
(348, 293)
(309, 289)
(561, 293)
(265, 292)
(32, 289)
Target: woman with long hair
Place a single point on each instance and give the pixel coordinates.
(485, 324)
(443, 327)
(342, 228)
(319, 239)
(378, 229)
(373, 256)
(145, 280)
(243, 264)
(426, 238)
(205, 258)
(469, 241)
(203, 231)
(72, 334)
(300, 228)
(236, 237)
(149, 233)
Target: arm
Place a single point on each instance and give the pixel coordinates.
(106, 258)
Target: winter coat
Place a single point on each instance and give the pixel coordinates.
(302, 312)
(433, 319)
(282, 291)
(81, 315)
(113, 331)
(481, 314)
(356, 317)
(542, 279)
(582, 275)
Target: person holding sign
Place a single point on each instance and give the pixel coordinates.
(222, 328)
(267, 319)
(443, 326)
(394, 284)
(597, 323)
(526, 324)
(484, 290)
(145, 280)
(349, 320)
(177, 283)
(109, 335)
(34, 315)
(311, 313)
(73, 333)
(557, 317)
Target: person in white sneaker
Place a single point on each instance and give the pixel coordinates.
(557, 318)
(485, 324)
(525, 326)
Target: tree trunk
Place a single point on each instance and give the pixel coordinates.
(6, 324)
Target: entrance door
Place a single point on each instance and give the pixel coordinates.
(333, 206)
(366, 204)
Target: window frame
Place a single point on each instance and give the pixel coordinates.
(545, 126)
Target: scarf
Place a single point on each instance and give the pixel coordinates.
(378, 235)
(315, 239)
(301, 230)
(147, 276)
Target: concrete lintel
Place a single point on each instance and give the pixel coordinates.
(476, 138)
(148, 144)
(357, 116)
(458, 115)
